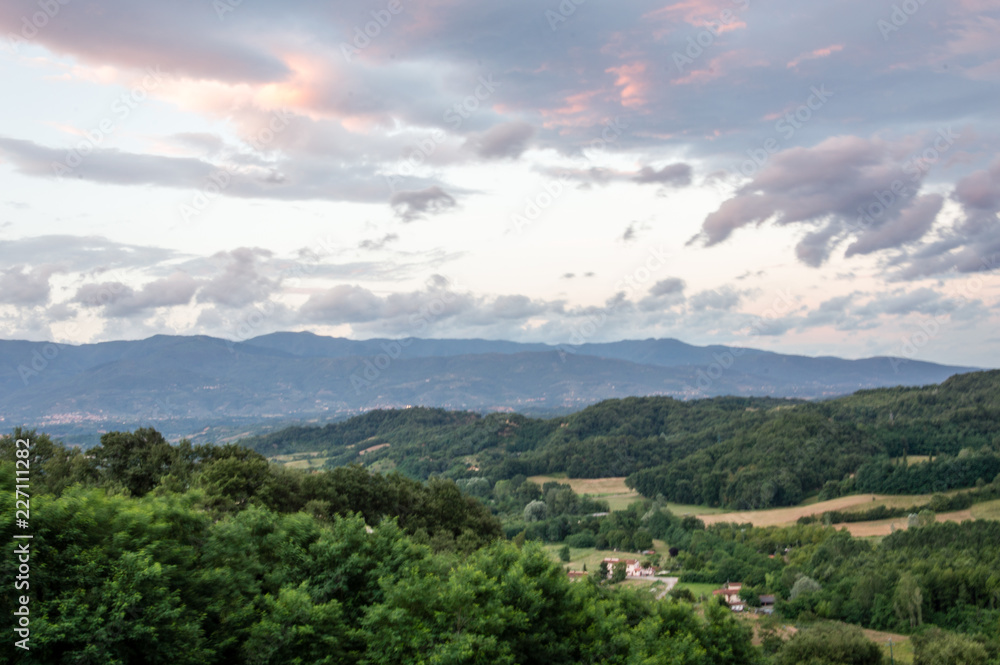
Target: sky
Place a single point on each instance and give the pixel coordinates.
(812, 178)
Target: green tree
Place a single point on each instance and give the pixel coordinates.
(136, 460)
(937, 647)
(535, 511)
(925, 517)
(564, 554)
(829, 644)
(908, 600)
(802, 586)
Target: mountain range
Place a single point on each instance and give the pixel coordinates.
(194, 385)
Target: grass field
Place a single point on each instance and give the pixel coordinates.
(988, 510)
(590, 557)
(902, 650)
(913, 459)
(782, 516)
(592, 486)
(854, 503)
(300, 460)
(885, 527)
(617, 493)
(698, 589)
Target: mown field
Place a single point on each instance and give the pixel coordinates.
(592, 557)
(300, 460)
(618, 495)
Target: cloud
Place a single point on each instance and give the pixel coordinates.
(440, 305)
(677, 175)
(724, 298)
(82, 253)
(284, 180)
(121, 300)
(25, 286)
(415, 204)
(672, 175)
(667, 287)
(242, 280)
(201, 141)
(971, 245)
(504, 141)
(378, 243)
(181, 37)
(344, 304)
(833, 187)
(912, 224)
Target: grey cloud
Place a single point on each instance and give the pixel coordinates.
(548, 80)
(414, 205)
(911, 225)
(825, 186)
(829, 312)
(672, 175)
(378, 243)
(344, 304)
(182, 37)
(242, 280)
(516, 307)
(678, 175)
(973, 244)
(416, 313)
(209, 143)
(669, 286)
(288, 180)
(980, 190)
(24, 285)
(725, 298)
(507, 140)
(901, 303)
(121, 300)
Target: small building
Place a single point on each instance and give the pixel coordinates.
(766, 604)
(730, 593)
(577, 574)
(633, 569)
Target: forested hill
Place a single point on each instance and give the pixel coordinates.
(735, 451)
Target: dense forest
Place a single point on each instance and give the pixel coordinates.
(146, 552)
(742, 453)
(149, 553)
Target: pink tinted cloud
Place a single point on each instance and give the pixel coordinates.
(813, 55)
(722, 65)
(633, 83)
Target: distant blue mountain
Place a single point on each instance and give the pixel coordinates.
(186, 384)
